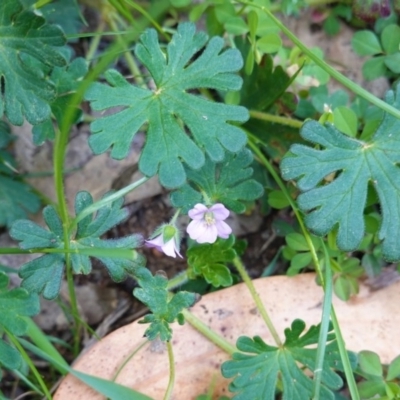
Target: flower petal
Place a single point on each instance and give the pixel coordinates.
(195, 229)
(197, 212)
(220, 211)
(224, 230)
(169, 248)
(157, 242)
(208, 235)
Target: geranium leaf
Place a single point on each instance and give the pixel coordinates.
(170, 105)
(27, 92)
(44, 274)
(341, 201)
(228, 182)
(153, 292)
(258, 368)
(14, 305)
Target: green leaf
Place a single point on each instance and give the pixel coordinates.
(15, 304)
(210, 261)
(391, 39)
(370, 363)
(374, 68)
(256, 374)
(44, 274)
(345, 120)
(277, 199)
(270, 43)
(27, 92)
(228, 182)
(16, 200)
(341, 201)
(165, 308)
(236, 26)
(298, 262)
(66, 80)
(297, 241)
(366, 43)
(369, 389)
(394, 369)
(392, 61)
(170, 106)
(180, 3)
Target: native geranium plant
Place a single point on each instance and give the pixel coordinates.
(185, 94)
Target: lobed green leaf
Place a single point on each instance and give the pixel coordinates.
(169, 109)
(355, 163)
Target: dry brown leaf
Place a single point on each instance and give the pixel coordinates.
(369, 321)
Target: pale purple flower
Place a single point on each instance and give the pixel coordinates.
(167, 241)
(208, 223)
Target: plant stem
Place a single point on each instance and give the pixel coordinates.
(275, 118)
(107, 200)
(177, 280)
(253, 145)
(256, 297)
(127, 54)
(330, 70)
(94, 44)
(324, 326)
(208, 333)
(29, 362)
(171, 381)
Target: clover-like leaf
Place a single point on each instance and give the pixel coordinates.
(228, 182)
(165, 308)
(26, 92)
(210, 261)
(341, 201)
(170, 110)
(66, 80)
(14, 305)
(256, 374)
(44, 274)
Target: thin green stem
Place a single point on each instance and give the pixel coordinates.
(213, 337)
(256, 297)
(94, 44)
(325, 66)
(13, 250)
(256, 149)
(177, 280)
(345, 358)
(127, 359)
(127, 54)
(29, 362)
(276, 119)
(171, 381)
(149, 18)
(107, 200)
(324, 327)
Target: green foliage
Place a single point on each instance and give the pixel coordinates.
(165, 307)
(210, 261)
(24, 35)
(341, 201)
(382, 381)
(66, 80)
(16, 197)
(227, 182)
(170, 106)
(15, 304)
(44, 274)
(258, 374)
(385, 49)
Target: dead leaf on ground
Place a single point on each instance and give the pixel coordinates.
(369, 321)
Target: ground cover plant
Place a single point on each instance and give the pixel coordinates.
(237, 116)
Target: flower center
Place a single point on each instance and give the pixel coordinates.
(209, 218)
